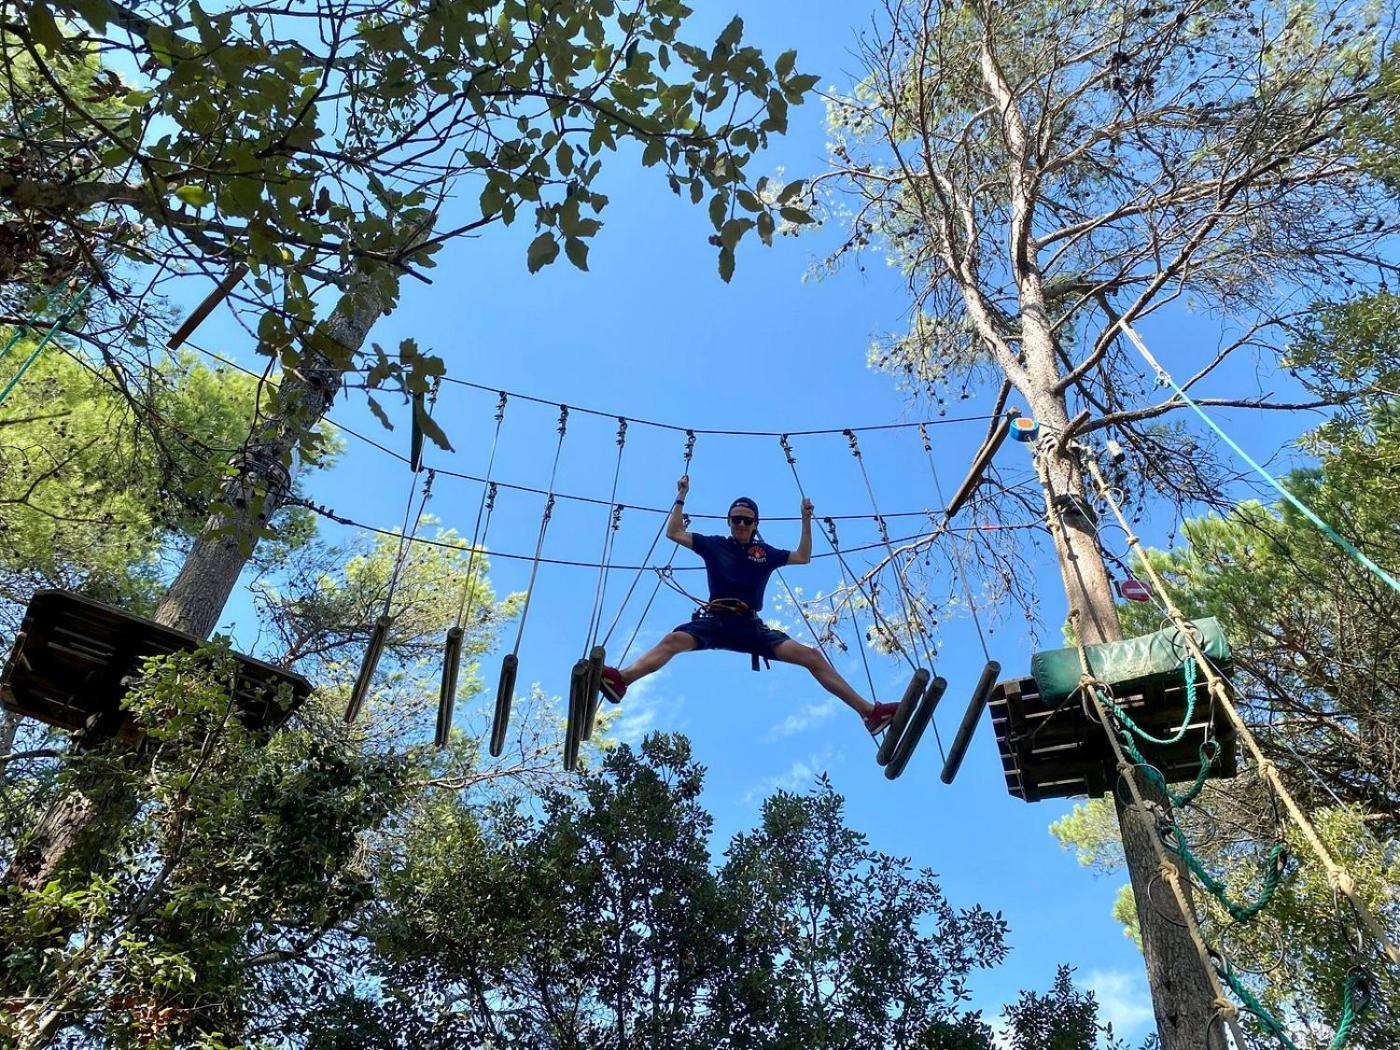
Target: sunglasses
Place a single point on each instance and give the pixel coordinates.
(740, 519)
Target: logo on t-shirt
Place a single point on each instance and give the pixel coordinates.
(757, 553)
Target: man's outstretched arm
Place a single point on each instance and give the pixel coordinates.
(675, 521)
(803, 552)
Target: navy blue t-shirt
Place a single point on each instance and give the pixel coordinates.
(736, 571)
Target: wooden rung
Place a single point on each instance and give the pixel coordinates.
(505, 691)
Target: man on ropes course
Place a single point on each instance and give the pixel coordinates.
(738, 567)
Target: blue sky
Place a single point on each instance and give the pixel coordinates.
(652, 332)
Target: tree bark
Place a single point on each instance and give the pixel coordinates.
(263, 471)
(1183, 998)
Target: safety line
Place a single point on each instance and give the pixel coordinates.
(1338, 877)
(675, 427)
(349, 522)
(1307, 512)
(574, 498)
(63, 319)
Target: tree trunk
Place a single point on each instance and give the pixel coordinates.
(1183, 998)
(73, 829)
(263, 471)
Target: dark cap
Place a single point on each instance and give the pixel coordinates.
(744, 501)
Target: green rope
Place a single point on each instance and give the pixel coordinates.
(1273, 872)
(1307, 512)
(1189, 672)
(20, 333)
(1210, 751)
(71, 309)
(1128, 729)
(1355, 1000)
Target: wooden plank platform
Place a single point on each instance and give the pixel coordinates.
(74, 658)
(1056, 750)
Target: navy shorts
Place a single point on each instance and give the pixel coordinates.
(739, 634)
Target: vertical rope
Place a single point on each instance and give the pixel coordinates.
(912, 618)
(486, 507)
(544, 527)
(687, 456)
(957, 551)
(610, 527)
(401, 557)
(830, 525)
(841, 560)
(1339, 878)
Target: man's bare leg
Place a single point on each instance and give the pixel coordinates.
(790, 652)
(659, 655)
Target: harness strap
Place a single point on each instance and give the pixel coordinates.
(728, 606)
(734, 607)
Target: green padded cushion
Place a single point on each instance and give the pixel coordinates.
(1136, 660)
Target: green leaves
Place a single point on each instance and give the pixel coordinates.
(42, 25)
(577, 251)
(543, 250)
(195, 196)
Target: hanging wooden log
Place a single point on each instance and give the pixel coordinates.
(912, 692)
(213, 299)
(979, 466)
(447, 695)
(956, 753)
(914, 731)
(505, 691)
(415, 441)
(367, 668)
(578, 707)
(594, 690)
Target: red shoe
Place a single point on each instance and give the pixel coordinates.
(614, 688)
(880, 717)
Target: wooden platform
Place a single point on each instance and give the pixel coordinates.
(74, 658)
(1050, 751)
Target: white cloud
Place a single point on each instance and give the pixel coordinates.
(1123, 998)
(812, 714)
(799, 776)
(641, 709)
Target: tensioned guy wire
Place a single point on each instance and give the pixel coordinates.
(1302, 508)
